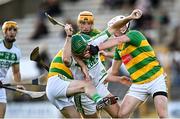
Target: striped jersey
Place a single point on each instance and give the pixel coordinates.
(8, 57)
(58, 67)
(139, 58)
(92, 33)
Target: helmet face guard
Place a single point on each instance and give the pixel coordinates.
(84, 17)
(9, 24)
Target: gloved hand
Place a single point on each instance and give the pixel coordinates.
(21, 87)
(93, 49)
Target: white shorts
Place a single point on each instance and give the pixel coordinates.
(3, 95)
(87, 106)
(56, 92)
(142, 91)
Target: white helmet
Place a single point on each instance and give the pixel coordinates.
(115, 19)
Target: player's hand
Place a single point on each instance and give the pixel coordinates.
(21, 87)
(125, 80)
(104, 53)
(68, 29)
(93, 49)
(136, 14)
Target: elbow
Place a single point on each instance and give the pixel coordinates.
(66, 61)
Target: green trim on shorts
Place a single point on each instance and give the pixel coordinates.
(78, 104)
(105, 74)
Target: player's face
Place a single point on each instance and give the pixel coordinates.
(117, 33)
(10, 34)
(86, 54)
(123, 29)
(85, 27)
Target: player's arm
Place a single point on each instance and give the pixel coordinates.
(16, 72)
(107, 53)
(136, 14)
(114, 70)
(103, 36)
(83, 67)
(113, 42)
(115, 67)
(113, 74)
(67, 55)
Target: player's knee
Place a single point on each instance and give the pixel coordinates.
(87, 82)
(163, 115)
(123, 114)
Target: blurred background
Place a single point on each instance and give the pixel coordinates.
(160, 23)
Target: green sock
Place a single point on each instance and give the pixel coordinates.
(96, 97)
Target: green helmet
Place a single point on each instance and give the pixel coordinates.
(79, 43)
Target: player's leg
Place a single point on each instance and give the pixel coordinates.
(86, 106)
(128, 105)
(58, 87)
(112, 110)
(137, 93)
(81, 86)
(86, 86)
(70, 112)
(56, 93)
(95, 115)
(89, 106)
(159, 93)
(160, 102)
(2, 102)
(2, 109)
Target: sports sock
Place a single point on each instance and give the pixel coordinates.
(96, 97)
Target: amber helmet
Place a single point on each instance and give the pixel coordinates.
(85, 16)
(9, 24)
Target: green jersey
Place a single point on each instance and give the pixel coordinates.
(92, 33)
(8, 57)
(96, 69)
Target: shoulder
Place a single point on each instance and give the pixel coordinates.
(136, 37)
(1, 41)
(96, 30)
(16, 49)
(135, 34)
(77, 33)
